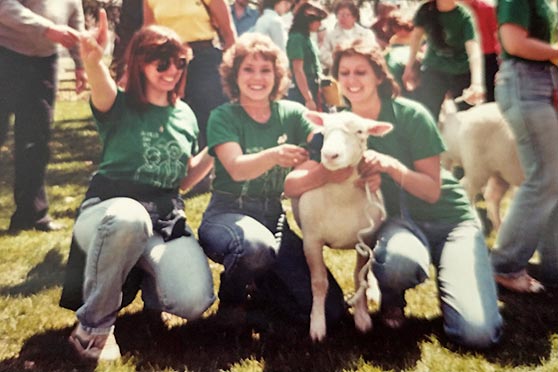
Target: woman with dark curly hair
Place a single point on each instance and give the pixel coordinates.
(256, 140)
(430, 220)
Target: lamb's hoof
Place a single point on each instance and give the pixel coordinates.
(317, 335)
(363, 322)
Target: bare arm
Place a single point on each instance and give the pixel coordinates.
(198, 167)
(516, 41)
(221, 14)
(103, 87)
(243, 167)
(409, 78)
(424, 182)
(311, 175)
(475, 93)
(302, 83)
(148, 16)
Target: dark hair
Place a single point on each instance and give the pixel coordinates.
(254, 44)
(347, 4)
(270, 4)
(430, 12)
(302, 20)
(147, 45)
(374, 55)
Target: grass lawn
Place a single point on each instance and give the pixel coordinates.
(34, 330)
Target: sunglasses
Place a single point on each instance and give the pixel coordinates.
(163, 64)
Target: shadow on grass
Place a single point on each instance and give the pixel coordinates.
(47, 274)
(203, 346)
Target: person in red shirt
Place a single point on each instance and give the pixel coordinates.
(487, 27)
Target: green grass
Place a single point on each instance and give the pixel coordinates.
(33, 329)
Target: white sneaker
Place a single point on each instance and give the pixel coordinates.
(101, 347)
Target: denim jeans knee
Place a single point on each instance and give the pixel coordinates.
(178, 278)
(113, 233)
(401, 262)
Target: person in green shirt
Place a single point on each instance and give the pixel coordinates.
(429, 220)
(304, 56)
(256, 139)
(526, 87)
(132, 218)
(453, 59)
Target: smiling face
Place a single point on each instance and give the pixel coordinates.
(255, 79)
(162, 75)
(357, 79)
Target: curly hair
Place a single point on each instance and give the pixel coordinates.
(254, 44)
(374, 55)
(149, 44)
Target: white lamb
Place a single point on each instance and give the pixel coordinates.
(335, 213)
(481, 142)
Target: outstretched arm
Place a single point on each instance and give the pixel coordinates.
(103, 87)
(242, 167)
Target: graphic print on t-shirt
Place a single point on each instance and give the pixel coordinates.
(161, 161)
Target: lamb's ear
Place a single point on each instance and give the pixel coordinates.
(314, 117)
(379, 128)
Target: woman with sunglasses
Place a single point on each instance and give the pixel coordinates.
(257, 139)
(132, 215)
(429, 220)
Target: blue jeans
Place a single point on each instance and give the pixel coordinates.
(465, 279)
(252, 239)
(117, 235)
(524, 92)
(239, 233)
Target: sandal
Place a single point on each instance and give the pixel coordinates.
(393, 317)
(520, 283)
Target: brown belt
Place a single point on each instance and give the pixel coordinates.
(202, 44)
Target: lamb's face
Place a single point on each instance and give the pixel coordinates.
(345, 137)
(344, 143)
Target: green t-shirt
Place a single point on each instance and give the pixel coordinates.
(230, 123)
(458, 27)
(538, 17)
(397, 57)
(302, 47)
(150, 147)
(414, 137)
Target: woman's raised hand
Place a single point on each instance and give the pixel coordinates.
(93, 42)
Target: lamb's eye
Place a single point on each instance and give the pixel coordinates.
(360, 131)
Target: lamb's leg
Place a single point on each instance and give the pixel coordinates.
(496, 187)
(363, 321)
(318, 276)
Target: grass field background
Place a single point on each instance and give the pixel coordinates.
(34, 330)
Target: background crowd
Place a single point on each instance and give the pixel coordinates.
(194, 102)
